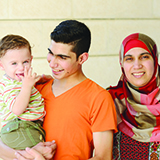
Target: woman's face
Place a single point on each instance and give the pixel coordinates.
(138, 66)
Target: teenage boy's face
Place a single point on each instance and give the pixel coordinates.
(62, 60)
(14, 62)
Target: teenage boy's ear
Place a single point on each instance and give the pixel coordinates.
(83, 57)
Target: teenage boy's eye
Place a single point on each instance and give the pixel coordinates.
(62, 57)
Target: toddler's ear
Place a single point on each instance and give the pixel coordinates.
(1, 65)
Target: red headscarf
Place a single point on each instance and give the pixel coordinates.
(133, 44)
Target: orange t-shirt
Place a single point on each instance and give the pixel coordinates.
(72, 117)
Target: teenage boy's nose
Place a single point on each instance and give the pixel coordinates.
(53, 62)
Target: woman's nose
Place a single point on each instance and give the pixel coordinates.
(137, 64)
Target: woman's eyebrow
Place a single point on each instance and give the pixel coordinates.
(140, 54)
(127, 55)
(145, 53)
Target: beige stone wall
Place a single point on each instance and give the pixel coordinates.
(109, 20)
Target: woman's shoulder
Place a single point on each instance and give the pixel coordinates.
(116, 91)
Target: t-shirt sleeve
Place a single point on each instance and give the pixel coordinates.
(103, 113)
(42, 87)
(39, 87)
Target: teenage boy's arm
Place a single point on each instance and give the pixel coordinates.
(103, 144)
(23, 97)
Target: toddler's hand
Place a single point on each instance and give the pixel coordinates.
(29, 79)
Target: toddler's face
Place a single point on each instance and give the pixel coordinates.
(14, 62)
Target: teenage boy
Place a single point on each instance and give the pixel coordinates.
(80, 115)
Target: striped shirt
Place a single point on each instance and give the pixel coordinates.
(9, 90)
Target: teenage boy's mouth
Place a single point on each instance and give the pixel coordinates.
(57, 71)
(54, 70)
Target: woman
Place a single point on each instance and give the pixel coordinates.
(136, 98)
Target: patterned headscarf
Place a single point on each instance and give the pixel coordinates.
(138, 109)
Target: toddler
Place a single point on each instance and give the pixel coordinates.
(21, 105)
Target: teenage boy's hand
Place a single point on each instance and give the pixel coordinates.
(33, 152)
(44, 78)
(46, 149)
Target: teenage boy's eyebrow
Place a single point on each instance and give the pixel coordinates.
(58, 54)
(50, 51)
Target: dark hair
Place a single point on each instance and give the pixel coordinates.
(13, 42)
(75, 33)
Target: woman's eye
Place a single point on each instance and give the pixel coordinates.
(128, 58)
(145, 56)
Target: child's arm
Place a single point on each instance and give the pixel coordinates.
(23, 98)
